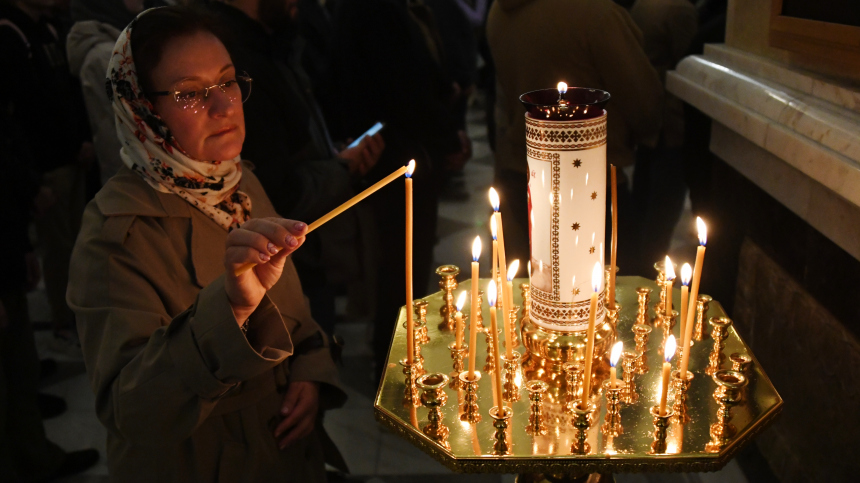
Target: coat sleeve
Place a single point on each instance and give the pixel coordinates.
(156, 376)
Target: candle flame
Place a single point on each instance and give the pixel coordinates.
(686, 274)
(494, 199)
(493, 228)
(616, 353)
(669, 350)
(596, 276)
(410, 168)
(669, 269)
(476, 249)
(491, 293)
(513, 268)
(703, 231)
(461, 301)
(562, 88)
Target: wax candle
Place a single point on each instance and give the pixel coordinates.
(694, 295)
(668, 353)
(497, 389)
(617, 349)
(473, 326)
(669, 271)
(614, 248)
(506, 322)
(495, 261)
(589, 347)
(458, 318)
(410, 323)
(686, 276)
(494, 201)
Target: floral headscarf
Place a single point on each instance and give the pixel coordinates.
(151, 151)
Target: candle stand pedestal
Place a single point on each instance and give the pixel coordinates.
(702, 306)
(728, 394)
(432, 397)
(470, 412)
(612, 422)
(681, 386)
(448, 284)
(457, 355)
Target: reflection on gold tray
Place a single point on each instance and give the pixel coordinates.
(469, 447)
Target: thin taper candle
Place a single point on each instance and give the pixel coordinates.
(494, 327)
(669, 271)
(668, 353)
(458, 318)
(617, 349)
(686, 276)
(506, 320)
(614, 248)
(473, 322)
(694, 295)
(495, 261)
(410, 323)
(589, 347)
(495, 202)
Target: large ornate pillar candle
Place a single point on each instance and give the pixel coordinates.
(566, 149)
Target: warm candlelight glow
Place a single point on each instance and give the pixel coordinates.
(703, 231)
(617, 349)
(529, 268)
(669, 350)
(562, 88)
(410, 168)
(513, 269)
(670, 269)
(491, 293)
(494, 199)
(461, 301)
(476, 249)
(595, 277)
(686, 274)
(493, 227)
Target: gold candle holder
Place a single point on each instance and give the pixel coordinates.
(410, 392)
(448, 284)
(741, 362)
(702, 306)
(470, 412)
(669, 322)
(629, 360)
(501, 418)
(574, 372)
(612, 315)
(537, 425)
(661, 424)
(641, 337)
(457, 355)
(527, 301)
(421, 334)
(512, 327)
(607, 271)
(728, 394)
(612, 422)
(643, 296)
(490, 361)
(433, 397)
(582, 419)
(480, 318)
(510, 388)
(719, 333)
(681, 386)
(659, 309)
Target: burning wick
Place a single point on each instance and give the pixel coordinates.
(562, 90)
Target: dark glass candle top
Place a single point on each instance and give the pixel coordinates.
(582, 103)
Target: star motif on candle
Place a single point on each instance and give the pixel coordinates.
(577, 163)
(591, 250)
(575, 226)
(594, 195)
(575, 291)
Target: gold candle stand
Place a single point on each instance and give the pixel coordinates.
(728, 394)
(612, 315)
(629, 360)
(432, 397)
(662, 284)
(643, 299)
(422, 336)
(537, 425)
(457, 356)
(702, 305)
(510, 386)
(668, 325)
(574, 372)
(661, 424)
(582, 419)
(612, 421)
(526, 296)
(740, 362)
(501, 420)
(410, 392)
(719, 333)
(470, 411)
(681, 387)
(491, 339)
(512, 327)
(641, 337)
(448, 284)
(480, 320)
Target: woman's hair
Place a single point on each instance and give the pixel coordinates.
(150, 34)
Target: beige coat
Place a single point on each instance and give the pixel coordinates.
(586, 43)
(184, 394)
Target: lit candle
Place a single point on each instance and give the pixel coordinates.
(686, 276)
(473, 326)
(670, 281)
(458, 318)
(509, 346)
(495, 261)
(614, 239)
(410, 323)
(668, 352)
(497, 390)
(589, 348)
(613, 360)
(494, 201)
(694, 295)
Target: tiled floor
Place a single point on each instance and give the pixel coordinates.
(372, 454)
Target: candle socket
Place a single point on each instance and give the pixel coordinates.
(433, 397)
(512, 327)
(510, 388)
(470, 412)
(719, 332)
(681, 386)
(537, 425)
(741, 362)
(574, 372)
(661, 424)
(448, 284)
(641, 337)
(582, 419)
(527, 302)
(612, 315)
(612, 420)
(457, 355)
(490, 362)
(643, 296)
(728, 394)
(421, 334)
(702, 303)
(500, 422)
(410, 391)
(629, 362)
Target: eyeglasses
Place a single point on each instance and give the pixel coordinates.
(189, 98)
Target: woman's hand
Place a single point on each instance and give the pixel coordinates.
(266, 242)
(299, 409)
(363, 157)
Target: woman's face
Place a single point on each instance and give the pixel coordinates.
(214, 129)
